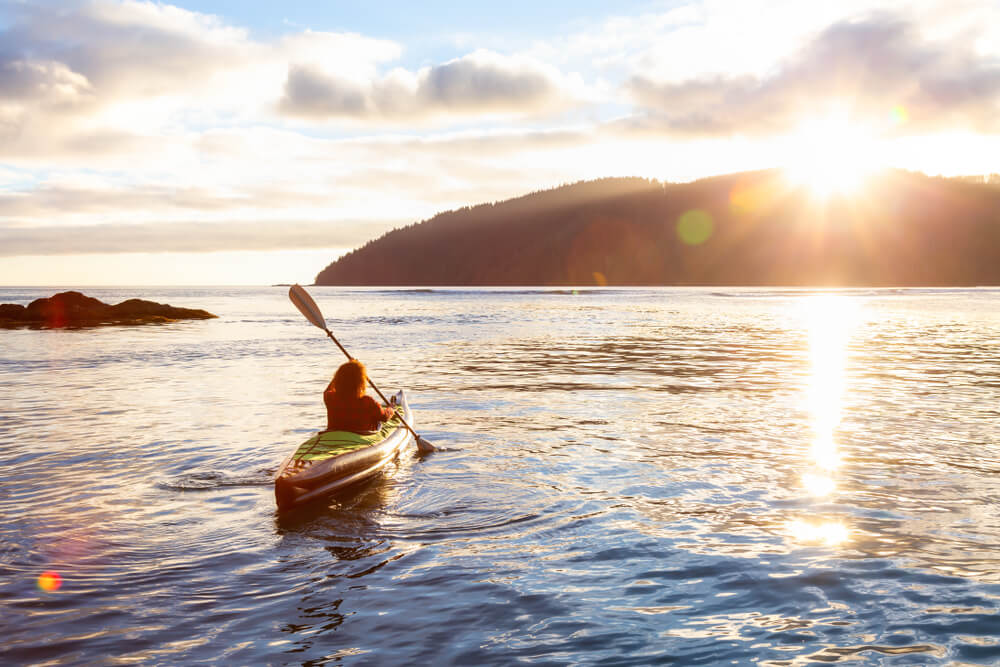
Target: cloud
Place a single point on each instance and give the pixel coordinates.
(103, 84)
(186, 237)
(127, 48)
(50, 84)
(52, 200)
(872, 66)
(276, 174)
(126, 78)
(104, 53)
(486, 81)
(354, 56)
(87, 79)
(478, 83)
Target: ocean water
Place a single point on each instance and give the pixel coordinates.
(625, 477)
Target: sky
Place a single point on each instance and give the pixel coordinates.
(226, 143)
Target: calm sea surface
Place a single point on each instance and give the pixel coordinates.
(689, 476)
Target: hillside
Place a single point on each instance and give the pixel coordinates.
(741, 229)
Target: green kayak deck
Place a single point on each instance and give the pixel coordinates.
(327, 444)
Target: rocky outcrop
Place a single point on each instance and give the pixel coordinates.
(73, 309)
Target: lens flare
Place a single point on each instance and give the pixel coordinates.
(694, 227)
(899, 116)
(49, 581)
(748, 199)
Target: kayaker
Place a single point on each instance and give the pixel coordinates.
(348, 407)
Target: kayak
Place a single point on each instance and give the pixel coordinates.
(333, 460)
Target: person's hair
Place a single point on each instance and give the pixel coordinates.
(350, 379)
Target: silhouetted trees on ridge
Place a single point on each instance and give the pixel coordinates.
(751, 228)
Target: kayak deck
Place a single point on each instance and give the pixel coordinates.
(332, 460)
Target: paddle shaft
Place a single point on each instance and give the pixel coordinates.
(311, 312)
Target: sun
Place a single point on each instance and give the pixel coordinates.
(831, 155)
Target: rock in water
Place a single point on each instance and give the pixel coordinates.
(73, 309)
(66, 308)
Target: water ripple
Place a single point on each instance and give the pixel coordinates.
(624, 477)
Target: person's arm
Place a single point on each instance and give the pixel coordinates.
(383, 413)
(387, 411)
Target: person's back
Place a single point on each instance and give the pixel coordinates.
(348, 407)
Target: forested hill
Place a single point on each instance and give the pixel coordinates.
(752, 228)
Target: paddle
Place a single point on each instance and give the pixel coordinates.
(300, 297)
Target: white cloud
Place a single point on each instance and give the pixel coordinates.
(129, 49)
(187, 237)
(870, 66)
(479, 83)
(51, 85)
(354, 56)
(110, 78)
(106, 83)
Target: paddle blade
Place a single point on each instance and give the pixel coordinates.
(300, 297)
(424, 446)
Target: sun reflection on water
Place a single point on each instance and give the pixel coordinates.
(819, 484)
(829, 533)
(829, 319)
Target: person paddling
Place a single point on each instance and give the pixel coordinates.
(348, 407)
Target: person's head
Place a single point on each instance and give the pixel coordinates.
(350, 379)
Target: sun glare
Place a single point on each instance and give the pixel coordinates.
(831, 155)
(830, 319)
